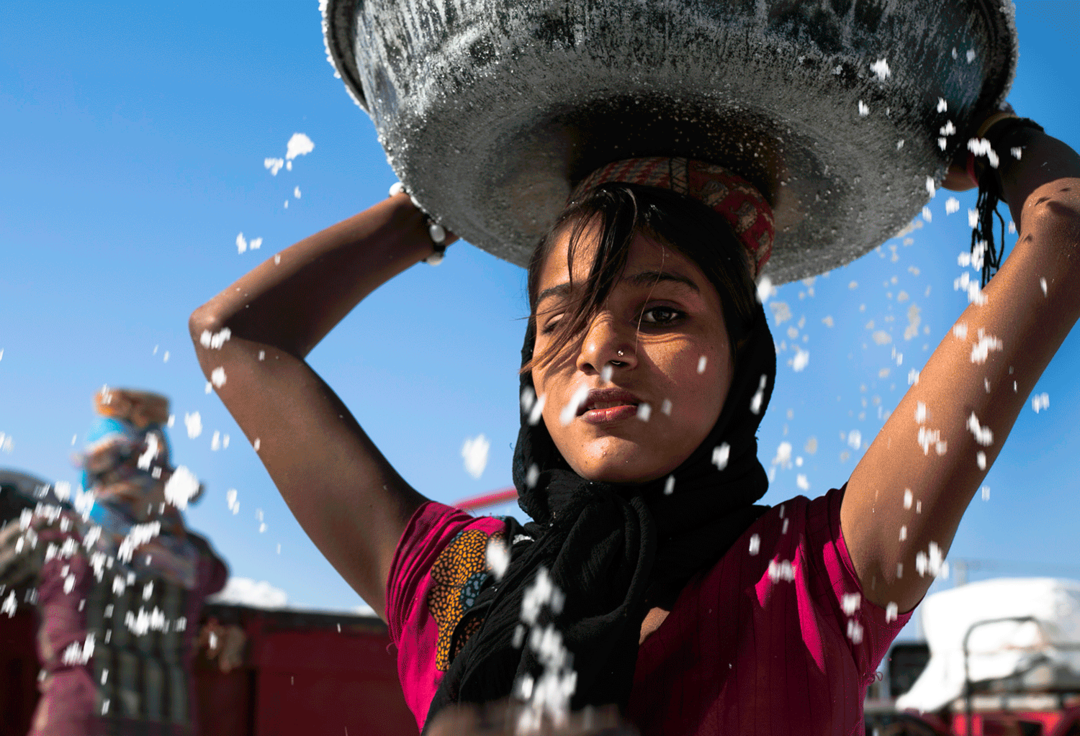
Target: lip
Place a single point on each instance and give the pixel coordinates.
(616, 405)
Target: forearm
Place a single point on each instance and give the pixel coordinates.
(291, 301)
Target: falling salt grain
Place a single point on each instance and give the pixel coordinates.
(475, 453)
(881, 69)
(927, 214)
(1012, 228)
(850, 603)
(755, 544)
(256, 444)
(296, 192)
(801, 359)
(765, 289)
(908, 498)
(215, 441)
(782, 570)
(255, 244)
(891, 612)
(970, 55)
(899, 144)
(1040, 402)
(193, 422)
(759, 396)
(864, 110)
(532, 476)
(665, 407)
(1042, 285)
(241, 243)
(720, 455)
(230, 498)
(802, 482)
(669, 485)
(921, 414)
(181, 487)
(576, 402)
(903, 533)
(165, 359)
(537, 411)
(498, 557)
(606, 373)
(217, 377)
(931, 188)
(980, 460)
(985, 493)
(644, 411)
(952, 205)
(702, 361)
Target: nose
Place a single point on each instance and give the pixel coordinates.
(606, 342)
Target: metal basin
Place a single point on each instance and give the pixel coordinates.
(489, 111)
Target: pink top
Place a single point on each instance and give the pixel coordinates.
(775, 636)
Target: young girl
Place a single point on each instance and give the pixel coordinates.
(646, 367)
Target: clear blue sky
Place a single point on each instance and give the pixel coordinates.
(132, 141)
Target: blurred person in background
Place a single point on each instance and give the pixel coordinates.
(120, 582)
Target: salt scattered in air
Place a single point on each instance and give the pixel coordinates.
(854, 439)
(720, 455)
(498, 557)
(606, 373)
(702, 362)
(850, 603)
(927, 214)
(10, 605)
(181, 487)
(765, 289)
(215, 441)
(475, 453)
(802, 482)
(1042, 285)
(255, 243)
(864, 109)
(755, 544)
(903, 532)
(827, 321)
(532, 476)
(273, 165)
(256, 444)
(166, 358)
(982, 348)
(230, 498)
(892, 612)
(1012, 228)
(970, 55)
(952, 205)
(985, 493)
(931, 188)
(801, 359)
(782, 570)
(932, 562)
(759, 396)
(299, 145)
(855, 631)
(853, 285)
(942, 105)
(921, 414)
(644, 411)
(241, 243)
(980, 460)
(781, 312)
(665, 407)
(669, 485)
(537, 412)
(296, 192)
(973, 219)
(193, 422)
(215, 340)
(217, 377)
(881, 69)
(576, 402)
(908, 498)
(1040, 402)
(899, 144)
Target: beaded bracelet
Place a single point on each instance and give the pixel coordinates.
(436, 232)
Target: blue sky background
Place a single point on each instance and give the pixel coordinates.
(132, 141)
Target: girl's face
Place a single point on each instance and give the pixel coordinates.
(648, 381)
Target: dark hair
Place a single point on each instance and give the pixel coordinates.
(622, 211)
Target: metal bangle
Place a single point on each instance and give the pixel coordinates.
(436, 232)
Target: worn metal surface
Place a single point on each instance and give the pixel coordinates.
(490, 110)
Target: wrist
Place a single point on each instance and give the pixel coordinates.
(437, 234)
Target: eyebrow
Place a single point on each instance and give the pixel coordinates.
(642, 278)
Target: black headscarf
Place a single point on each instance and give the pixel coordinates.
(615, 550)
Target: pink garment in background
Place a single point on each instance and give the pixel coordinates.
(776, 638)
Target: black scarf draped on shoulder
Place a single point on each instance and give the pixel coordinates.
(615, 550)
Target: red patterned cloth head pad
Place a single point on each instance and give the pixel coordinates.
(740, 203)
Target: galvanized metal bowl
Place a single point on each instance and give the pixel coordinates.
(840, 111)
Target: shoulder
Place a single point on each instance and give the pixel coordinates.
(441, 546)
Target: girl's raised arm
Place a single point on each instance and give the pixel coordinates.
(341, 489)
(908, 492)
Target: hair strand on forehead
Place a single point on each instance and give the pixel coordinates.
(616, 213)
